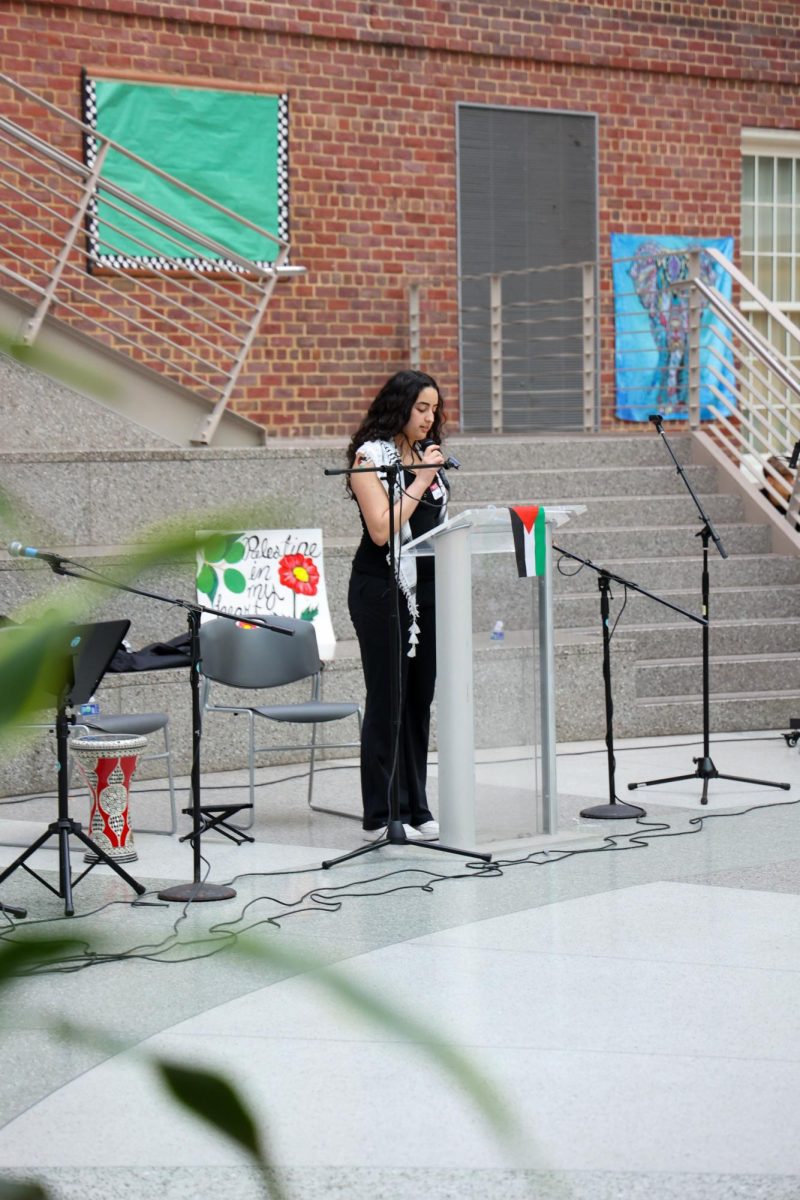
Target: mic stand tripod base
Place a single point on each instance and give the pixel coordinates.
(613, 812)
(197, 892)
(705, 770)
(396, 836)
(13, 911)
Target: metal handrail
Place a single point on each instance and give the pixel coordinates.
(211, 354)
(765, 424)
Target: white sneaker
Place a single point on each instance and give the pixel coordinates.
(373, 835)
(428, 831)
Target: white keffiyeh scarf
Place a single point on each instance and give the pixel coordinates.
(382, 454)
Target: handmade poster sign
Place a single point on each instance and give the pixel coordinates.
(267, 572)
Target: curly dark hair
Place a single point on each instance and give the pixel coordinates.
(391, 409)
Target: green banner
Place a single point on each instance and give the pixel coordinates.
(224, 144)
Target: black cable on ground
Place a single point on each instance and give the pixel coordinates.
(330, 899)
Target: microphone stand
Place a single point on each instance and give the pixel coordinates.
(615, 809)
(198, 889)
(704, 766)
(395, 833)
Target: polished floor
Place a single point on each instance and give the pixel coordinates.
(610, 1013)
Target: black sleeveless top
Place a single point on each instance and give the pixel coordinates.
(371, 559)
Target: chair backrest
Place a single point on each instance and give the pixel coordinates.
(251, 657)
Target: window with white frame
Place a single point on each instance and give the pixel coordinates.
(771, 215)
(770, 240)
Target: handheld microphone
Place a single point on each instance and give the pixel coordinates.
(449, 464)
(17, 550)
(795, 456)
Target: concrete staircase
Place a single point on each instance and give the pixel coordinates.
(640, 523)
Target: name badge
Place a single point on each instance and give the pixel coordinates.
(436, 489)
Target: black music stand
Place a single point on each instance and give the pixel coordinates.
(198, 889)
(71, 659)
(395, 833)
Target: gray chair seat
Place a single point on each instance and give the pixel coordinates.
(136, 723)
(253, 658)
(309, 713)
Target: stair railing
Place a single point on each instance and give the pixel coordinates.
(755, 388)
(193, 318)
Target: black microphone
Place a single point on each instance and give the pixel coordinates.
(17, 550)
(449, 464)
(657, 420)
(795, 456)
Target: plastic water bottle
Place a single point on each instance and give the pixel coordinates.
(90, 709)
(498, 632)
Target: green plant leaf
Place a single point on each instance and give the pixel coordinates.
(234, 580)
(308, 614)
(483, 1093)
(235, 551)
(28, 952)
(19, 1189)
(207, 580)
(210, 1096)
(214, 549)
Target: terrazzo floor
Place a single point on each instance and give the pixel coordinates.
(628, 992)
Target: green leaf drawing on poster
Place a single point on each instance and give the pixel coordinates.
(221, 548)
(309, 614)
(234, 580)
(207, 581)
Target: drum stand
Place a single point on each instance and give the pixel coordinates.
(64, 828)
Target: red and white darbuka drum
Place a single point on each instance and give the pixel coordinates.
(107, 763)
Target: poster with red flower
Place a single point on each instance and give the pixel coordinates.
(278, 572)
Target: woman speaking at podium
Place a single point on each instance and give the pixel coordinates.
(403, 425)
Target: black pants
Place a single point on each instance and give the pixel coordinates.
(369, 600)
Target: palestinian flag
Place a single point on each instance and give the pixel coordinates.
(530, 532)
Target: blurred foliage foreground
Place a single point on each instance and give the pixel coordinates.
(28, 681)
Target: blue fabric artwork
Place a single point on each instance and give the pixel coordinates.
(651, 325)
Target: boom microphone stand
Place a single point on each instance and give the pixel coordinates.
(615, 809)
(395, 833)
(704, 766)
(198, 889)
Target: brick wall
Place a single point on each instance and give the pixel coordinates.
(373, 88)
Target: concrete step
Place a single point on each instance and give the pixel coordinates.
(512, 452)
(503, 689)
(649, 511)
(770, 635)
(755, 586)
(671, 541)
(115, 497)
(548, 486)
(727, 712)
(732, 674)
(671, 574)
(94, 504)
(753, 603)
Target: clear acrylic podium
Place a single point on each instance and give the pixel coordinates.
(484, 531)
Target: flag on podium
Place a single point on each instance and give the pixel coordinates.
(529, 530)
